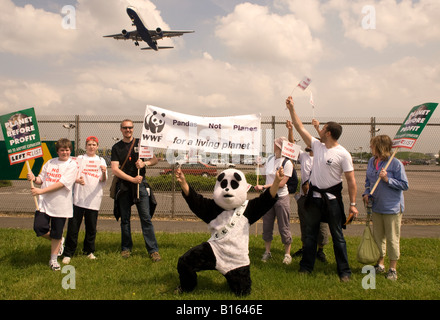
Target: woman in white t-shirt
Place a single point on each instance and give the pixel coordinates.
(281, 209)
(87, 196)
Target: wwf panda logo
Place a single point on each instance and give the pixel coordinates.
(154, 122)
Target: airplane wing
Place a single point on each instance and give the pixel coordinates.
(133, 35)
(159, 34)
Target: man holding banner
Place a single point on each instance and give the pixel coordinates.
(324, 201)
(125, 155)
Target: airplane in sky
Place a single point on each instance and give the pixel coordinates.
(142, 33)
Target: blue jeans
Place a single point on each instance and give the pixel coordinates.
(125, 201)
(334, 217)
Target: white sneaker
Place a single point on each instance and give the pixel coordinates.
(61, 249)
(266, 256)
(287, 259)
(91, 256)
(66, 260)
(54, 265)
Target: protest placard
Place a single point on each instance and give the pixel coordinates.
(303, 84)
(233, 134)
(22, 138)
(145, 152)
(290, 150)
(413, 125)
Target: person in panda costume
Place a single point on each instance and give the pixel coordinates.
(228, 215)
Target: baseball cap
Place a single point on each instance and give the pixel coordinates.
(92, 138)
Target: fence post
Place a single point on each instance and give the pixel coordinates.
(373, 129)
(173, 192)
(273, 125)
(76, 135)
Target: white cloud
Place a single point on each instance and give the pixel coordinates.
(397, 22)
(33, 32)
(309, 11)
(27, 94)
(265, 55)
(381, 91)
(252, 32)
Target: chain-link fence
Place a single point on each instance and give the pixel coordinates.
(423, 171)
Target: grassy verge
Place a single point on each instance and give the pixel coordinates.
(25, 275)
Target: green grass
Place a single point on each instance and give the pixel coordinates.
(25, 275)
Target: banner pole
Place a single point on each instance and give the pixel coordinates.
(138, 186)
(386, 167)
(32, 186)
(258, 173)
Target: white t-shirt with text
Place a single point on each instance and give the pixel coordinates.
(89, 195)
(272, 167)
(329, 166)
(58, 203)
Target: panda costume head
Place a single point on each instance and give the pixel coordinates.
(231, 189)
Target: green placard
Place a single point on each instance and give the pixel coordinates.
(413, 125)
(21, 134)
(19, 171)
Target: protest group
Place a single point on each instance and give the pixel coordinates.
(69, 189)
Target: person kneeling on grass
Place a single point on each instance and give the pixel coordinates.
(229, 215)
(55, 198)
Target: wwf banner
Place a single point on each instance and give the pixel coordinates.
(413, 125)
(172, 130)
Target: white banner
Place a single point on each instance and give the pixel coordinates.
(233, 135)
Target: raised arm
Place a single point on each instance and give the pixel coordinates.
(305, 135)
(276, 182)
(290, 131)
(182, 181)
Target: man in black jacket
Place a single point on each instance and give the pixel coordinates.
(132, 176)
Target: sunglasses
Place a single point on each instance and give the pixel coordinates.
(127, 128)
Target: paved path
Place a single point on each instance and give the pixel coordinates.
(160, 225)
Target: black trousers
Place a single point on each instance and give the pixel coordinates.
(201, 258)
(90, 220)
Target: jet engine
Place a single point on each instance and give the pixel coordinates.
(159, 33)
(125, 33)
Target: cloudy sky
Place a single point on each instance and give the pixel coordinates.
(365, 58)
